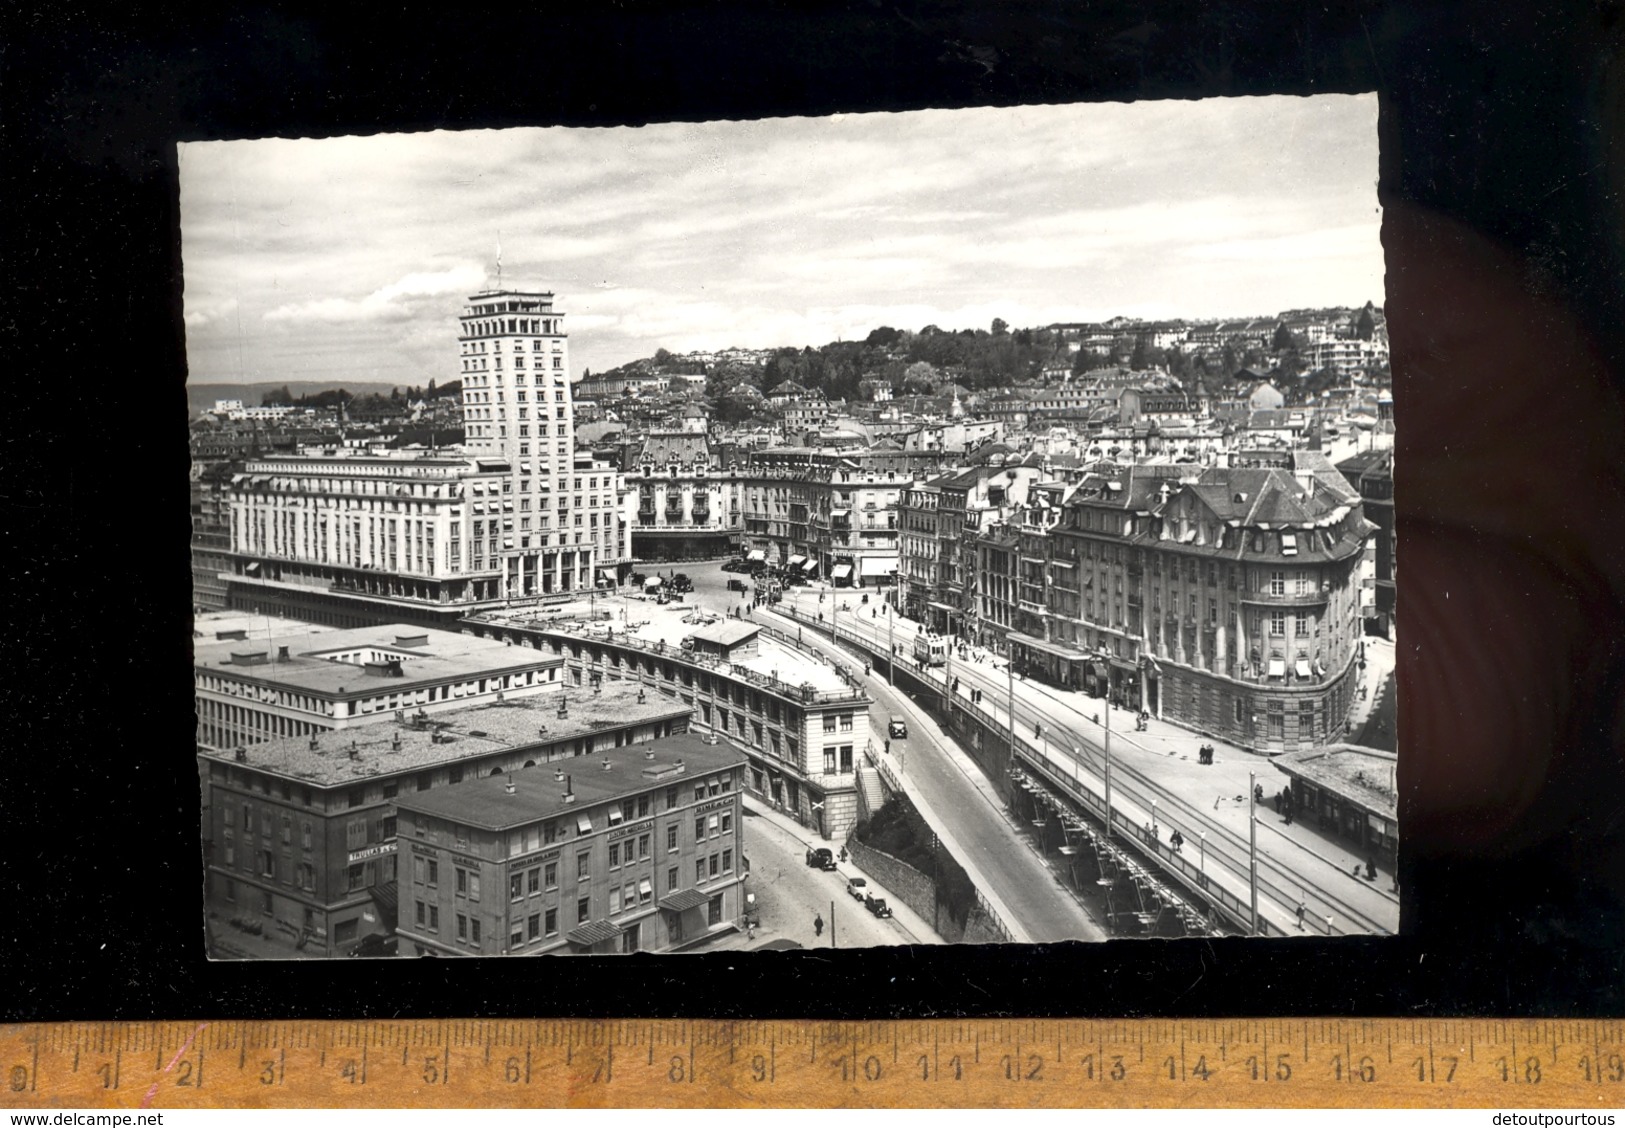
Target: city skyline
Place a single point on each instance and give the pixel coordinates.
(347, 259)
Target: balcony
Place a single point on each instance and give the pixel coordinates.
(1315, 597)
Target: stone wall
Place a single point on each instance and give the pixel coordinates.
(899, 879)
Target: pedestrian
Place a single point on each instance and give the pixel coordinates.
(818, 924)
(1371, 867)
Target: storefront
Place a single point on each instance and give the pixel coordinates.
(1052, 662)
(1347, 791)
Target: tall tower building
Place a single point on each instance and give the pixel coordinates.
(554, 521)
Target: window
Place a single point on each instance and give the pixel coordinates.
(1278, 623)
(713, 911)
(671, 798)
(422, 914)
(728, 823)
(829, 722)
(583, 865)
(462, 927)
(517, 936)
(304, 834)
(643, 846)
(357, 877)
(846, 757)
(1277, 583)
(550, 875)
(614, 855)
(583, 909)
(671, 879)
(356, 796)
(829, 760)
(699, 829)
(533, 926)
(699, 871)
(643, 806)
(516, 887)
(846, 722)
(1276, 726)
(728, 861)
(461, 880)
(714, 864)
(533, 882)
(551, 922)
(1301, 625)
(614, 899)
(671, 836)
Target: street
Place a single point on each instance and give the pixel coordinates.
(1157, 782)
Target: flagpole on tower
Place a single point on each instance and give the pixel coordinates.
(499, 258)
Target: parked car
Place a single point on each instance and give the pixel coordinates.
(897, 729)
(681, 583)
(877, 905)
(736, 584)
(821, 857)
(857, 886)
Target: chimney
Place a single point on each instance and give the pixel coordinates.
(241, 754)
(606, 763)
(313, 742)
(282, 654)
(558, 775)
(395, 744)
(508, 787)
(649, 754)
(569, 790)
(564, 706)
(355, 753)
(640, 695)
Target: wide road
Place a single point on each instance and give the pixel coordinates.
(952, 795)
(1155, 781)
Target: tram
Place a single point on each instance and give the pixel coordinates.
(930, 650)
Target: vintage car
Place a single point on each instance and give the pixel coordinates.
(821, 857)
(897, 729)
(877, 905)
(858, 887)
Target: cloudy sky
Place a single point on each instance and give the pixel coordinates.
(349, 258)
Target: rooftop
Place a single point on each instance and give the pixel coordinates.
(1364, 775)
(425, 656)
(462, 734)
(727, 632)
(538, 794)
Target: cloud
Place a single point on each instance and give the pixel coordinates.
(200, 314)
(384, 303)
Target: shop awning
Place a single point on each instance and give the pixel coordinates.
(584, 824)
(951, 610)
(796, 561)
(878, 565)
(595, 933)
(652, 582)
(1302, 668)
(684, 899)
(841, 571)
(756, 556)
(644, 886)
(1058, 649)
(1277, 668)
(840, 513)
(605, 576)
(809, 566)
(1098, 669)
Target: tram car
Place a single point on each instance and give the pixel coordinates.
(930, 650)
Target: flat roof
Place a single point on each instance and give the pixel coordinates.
(517, 723)
(537, 794)
(727, 632)
(1363, 775)
(208, 626)
(428, 656)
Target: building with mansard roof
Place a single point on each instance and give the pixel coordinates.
(1227, 599)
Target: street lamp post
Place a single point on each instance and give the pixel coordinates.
(891, 631)
(1252, 846)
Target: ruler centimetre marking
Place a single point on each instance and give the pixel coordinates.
(1352, 1063)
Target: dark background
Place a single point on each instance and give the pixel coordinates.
(1501, 168)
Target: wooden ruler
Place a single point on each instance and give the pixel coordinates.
(955, 1063)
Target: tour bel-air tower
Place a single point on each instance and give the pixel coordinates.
(552, 527)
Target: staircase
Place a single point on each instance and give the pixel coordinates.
(871, 793)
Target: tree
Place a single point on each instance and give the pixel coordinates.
(1366, 326)
(1282, 339)
(277, 397)
(1140, 357)
(1000, 327)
